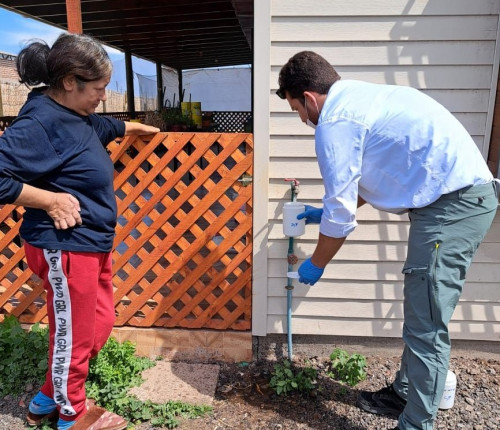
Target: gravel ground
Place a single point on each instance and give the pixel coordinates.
(244, 400)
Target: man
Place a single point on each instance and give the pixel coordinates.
(400, 151)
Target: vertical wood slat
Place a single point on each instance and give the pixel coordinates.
(182, 255)
(74, 16)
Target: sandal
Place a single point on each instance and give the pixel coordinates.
(37, 419)
(100, 419)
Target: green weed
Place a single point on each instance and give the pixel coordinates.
(23, 356)
(347, 369)
(23, 359)
(286, 378)
(114, 371)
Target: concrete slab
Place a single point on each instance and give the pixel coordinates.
(190, 383)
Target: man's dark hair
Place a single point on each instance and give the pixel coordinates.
(306, 71)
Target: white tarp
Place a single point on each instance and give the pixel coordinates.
(224, 89)
(147, 92)
(218, 89)
(170, 86)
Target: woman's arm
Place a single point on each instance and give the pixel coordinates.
(63, 208)
(138, 128)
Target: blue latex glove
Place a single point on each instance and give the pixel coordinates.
(309, 274)
(311, 214)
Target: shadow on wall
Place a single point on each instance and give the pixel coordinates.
(445, 49)
(446, 53)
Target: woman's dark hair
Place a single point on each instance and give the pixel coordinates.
(71, 54)
(306, 71)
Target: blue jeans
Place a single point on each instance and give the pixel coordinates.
(443, 239)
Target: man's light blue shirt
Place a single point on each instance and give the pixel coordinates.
(395, 146)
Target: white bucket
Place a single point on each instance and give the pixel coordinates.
(292, 226)
(450, 388)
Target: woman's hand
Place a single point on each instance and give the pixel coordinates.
(64, 209)
(139, 129)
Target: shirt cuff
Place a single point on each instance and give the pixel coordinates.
(334, 229)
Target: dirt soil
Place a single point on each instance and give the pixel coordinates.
(243, 400)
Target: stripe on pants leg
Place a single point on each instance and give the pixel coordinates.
(63, 333)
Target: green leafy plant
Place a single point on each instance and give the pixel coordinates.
(158, 414)
(285, 378)
(45, 425)
(23, 355)
(114, 371)
(174, 117)
(23, 359)
(347, 369)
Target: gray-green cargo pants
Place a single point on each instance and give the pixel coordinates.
(443, 239)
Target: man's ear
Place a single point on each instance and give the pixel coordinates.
(309, 95)
(69, 82)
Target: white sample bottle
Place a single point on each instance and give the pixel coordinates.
(292, 226)
(450, 388)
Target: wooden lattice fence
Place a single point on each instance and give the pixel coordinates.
(183, 247)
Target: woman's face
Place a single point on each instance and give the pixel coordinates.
(84, 100)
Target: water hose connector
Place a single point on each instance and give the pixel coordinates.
(295, 186)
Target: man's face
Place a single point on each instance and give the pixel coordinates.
(297, 106)
(307, 111)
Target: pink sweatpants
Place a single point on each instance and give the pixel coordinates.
(81, 316)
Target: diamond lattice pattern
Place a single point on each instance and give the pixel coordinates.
(183, 247)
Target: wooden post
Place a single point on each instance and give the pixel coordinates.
(74, 16)
(159, 86)
(130, 84)
(179, 75)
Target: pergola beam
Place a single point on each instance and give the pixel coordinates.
(74, 16)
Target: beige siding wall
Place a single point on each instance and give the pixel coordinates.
(447, 49)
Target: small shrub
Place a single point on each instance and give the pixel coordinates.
(23, 355)
(347, 369)
(114, 371)
(23, 359)
(286, 379)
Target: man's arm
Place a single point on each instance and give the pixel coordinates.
(312, 269)
(326, 248)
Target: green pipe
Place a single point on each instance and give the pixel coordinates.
(289, 285)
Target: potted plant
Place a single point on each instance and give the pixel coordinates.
(175, 120)
(155, 119)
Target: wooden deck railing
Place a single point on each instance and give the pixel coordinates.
(183, 247)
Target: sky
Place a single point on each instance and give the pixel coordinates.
(16, 31)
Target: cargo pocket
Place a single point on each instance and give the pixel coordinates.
(420, 298)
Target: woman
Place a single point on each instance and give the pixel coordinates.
(53, 161)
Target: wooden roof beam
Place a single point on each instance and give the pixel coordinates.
(74, 13)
